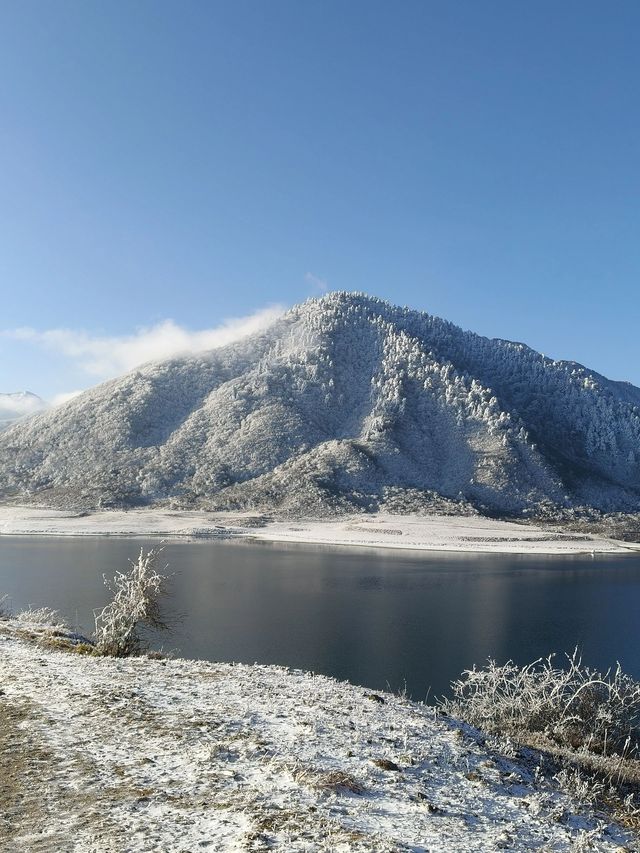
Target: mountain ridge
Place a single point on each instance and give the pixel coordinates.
(345, 402)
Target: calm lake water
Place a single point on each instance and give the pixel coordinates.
(379, 618)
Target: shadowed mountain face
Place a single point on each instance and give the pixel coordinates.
(345, 402)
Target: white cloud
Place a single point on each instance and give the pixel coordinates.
(107, 356)
(317, 282)
(19, 404)
(59, 399)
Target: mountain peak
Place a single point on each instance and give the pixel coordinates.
(347, 402)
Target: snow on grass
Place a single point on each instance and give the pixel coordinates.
(146, 755)
(379, 530)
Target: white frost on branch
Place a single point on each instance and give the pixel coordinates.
(135, 604)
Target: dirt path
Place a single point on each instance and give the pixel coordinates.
(21, 764)
(41, 806)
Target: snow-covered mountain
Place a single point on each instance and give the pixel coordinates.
(18, 405)
(345, 402)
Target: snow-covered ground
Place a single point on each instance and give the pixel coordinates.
(429, 532)
(137, 755)
(439, 533)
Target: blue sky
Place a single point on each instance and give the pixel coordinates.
(200, 161)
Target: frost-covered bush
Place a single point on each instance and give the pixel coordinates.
(43, 616)
(136, 604)
(4, 607)
(572, 705)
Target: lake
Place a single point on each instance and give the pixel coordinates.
(384, 619)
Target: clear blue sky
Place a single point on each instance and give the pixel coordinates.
(198, 160)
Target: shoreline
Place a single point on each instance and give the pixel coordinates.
(430, 533)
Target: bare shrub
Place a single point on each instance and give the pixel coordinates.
(573, 705)
(135, 605)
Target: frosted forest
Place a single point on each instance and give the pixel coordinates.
(345, 403)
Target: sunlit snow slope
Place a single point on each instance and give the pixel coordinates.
(345, 402)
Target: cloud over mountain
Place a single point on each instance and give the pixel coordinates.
(107, 356)
(344, 402)
(19, 404)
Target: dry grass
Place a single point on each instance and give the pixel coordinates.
(42, 616)
(21, 763)
(66, 643)
(338, 780)
(331, 781)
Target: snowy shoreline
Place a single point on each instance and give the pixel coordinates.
(139, 754)
(466, 534)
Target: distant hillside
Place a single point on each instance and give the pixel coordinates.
(18, 405)
(346, 402)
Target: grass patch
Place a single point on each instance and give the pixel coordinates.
(44, 617)
(336, 781)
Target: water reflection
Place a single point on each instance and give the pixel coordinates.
(378, 618)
